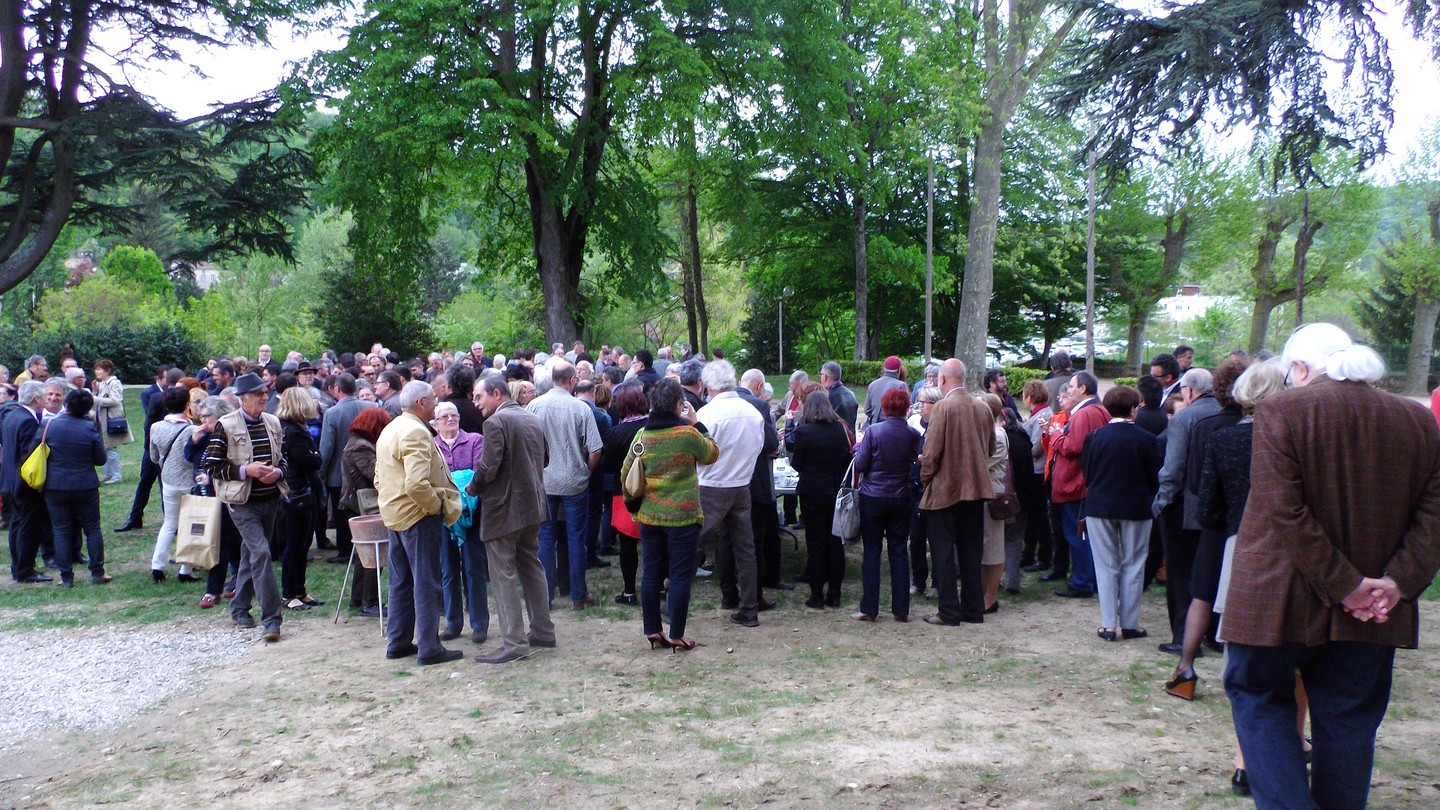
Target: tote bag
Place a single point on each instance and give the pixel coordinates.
(197, 540)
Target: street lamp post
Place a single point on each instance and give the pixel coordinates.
(784, 294)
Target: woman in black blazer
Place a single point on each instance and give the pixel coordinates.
(820, 451)
(72, 489)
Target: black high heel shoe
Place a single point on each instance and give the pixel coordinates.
(658, 641)
(1182, 685)
(682, 644)
(1240, 783)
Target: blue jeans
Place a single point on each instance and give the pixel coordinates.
(1082, 563)
(668, 551)
(885, 521)
(573, 511)
(1348, 684)
(463, 572)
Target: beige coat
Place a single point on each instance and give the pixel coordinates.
(411, 476)
(955, 466)
(110, 404)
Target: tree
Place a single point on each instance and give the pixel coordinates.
(138, 266)
(1151, 79)
(446, 101)
(1015, 51)
(69, 132)
(1415, 263)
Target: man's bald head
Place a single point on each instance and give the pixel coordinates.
(952, 375)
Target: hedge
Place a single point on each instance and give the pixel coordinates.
(1130, 381)
(135, 350)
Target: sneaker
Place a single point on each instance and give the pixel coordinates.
(932, 593)
(704, 572)
(914, 589)
(244, 621)
(272, 635)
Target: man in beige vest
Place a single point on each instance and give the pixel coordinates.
(245, 460)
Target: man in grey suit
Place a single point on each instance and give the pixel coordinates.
(1180, 533)
(510, 482)
(334, 433)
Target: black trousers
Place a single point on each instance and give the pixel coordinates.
(1059, 544)
(1038, 535)
(765, 523)
(824, 552)
(958, 531)
(28, 520)
(1180, 545)
(789, 502)
(149, 473)
(342, 523)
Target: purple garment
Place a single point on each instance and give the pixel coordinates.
(884, 457)
(465, 452)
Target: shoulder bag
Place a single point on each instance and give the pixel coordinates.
(632, 489)
(846, 522)
(32, 471)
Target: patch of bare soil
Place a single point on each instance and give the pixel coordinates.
(1029, 710)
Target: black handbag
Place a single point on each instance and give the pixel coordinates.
(1004, 506)
(117, 426)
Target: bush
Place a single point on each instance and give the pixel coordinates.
(134, 348)
(1130, 381)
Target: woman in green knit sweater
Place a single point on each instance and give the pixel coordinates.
(670, 516)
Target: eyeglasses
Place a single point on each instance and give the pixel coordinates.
(449, 416)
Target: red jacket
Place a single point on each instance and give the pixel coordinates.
(1068, 483)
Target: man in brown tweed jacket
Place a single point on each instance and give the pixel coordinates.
(1341, 534)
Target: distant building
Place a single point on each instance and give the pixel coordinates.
(79, 266)
(1191, 303)
(206, 274)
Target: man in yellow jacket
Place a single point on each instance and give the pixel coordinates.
(417, 500)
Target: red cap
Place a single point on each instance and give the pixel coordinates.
(892, 363)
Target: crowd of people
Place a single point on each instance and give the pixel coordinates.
(509, 478)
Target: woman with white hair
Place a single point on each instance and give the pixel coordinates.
(462, 568)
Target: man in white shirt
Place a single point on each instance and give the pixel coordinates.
(738, 429)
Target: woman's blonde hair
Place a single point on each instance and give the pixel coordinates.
(297, 404)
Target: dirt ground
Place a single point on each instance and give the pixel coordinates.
(809, 709)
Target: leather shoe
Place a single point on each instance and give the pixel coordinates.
(103, 579)
(730, 604)
(863, 617)
(130, 526)
(995, 608)
(449, 634)
(402, 652)
(581, 604)
(1172, 647)
(535, 642)
(1054, 577)
(272, 635)
(1033, 567)
(338, 559)
(500, 656)
(781, 585)
(598, 563)
(37, 578)
(1071, 593)
(934, 618)
(902, 619)
(745, 621)
(766, 604)
(443, 657)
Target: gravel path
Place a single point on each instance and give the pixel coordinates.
(94, 679)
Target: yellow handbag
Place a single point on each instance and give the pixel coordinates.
(32, 472)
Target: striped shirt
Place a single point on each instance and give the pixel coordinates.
(217, 458)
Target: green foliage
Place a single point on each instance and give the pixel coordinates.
(1017, 376)
(135, 348)
(503, 317)
(140, 267)
(861, 372)
(1217, 332)
(1130, 381)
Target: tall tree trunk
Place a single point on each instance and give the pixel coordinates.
(687, 269)
(1422, 332)
(1303, 240)
(1422, 346)
(1135, 337)
(862, 281)
(1263, 274)
(697, 280)
(979, 278)
(559, 257)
